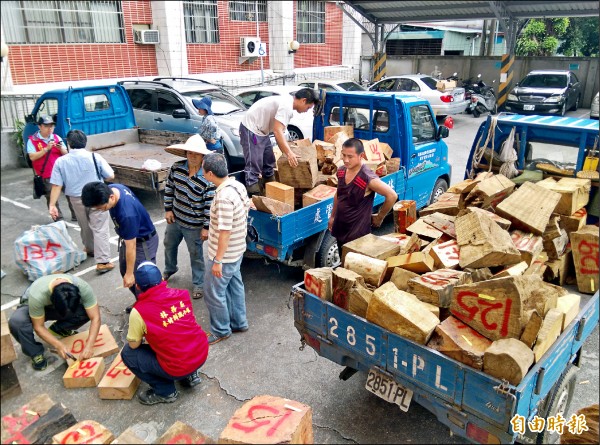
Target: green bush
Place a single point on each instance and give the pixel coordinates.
(17, 136)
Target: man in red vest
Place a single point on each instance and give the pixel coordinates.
(176, 346)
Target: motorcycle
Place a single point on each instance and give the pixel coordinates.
(481, 96)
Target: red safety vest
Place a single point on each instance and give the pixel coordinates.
(38, 164)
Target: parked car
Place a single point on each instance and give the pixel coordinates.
(545, 92)
(594, 107)
(332, 85)
(300, 126)
(420, 85)
(166, 104)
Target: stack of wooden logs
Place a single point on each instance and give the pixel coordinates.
(473, 276)
(315, 177)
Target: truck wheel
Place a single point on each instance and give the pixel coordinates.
(559, 400)
(328, 254)
(439, 189)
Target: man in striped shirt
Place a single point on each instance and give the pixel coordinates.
(225, 294)
(188, 196)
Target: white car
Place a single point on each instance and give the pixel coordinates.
(594, 107)
(332, 85)
(301, 124)
(443, 103)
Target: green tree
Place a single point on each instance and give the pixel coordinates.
(540, 37)
(581, 38)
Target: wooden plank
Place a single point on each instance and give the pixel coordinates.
(421, 228)
(8, 353)
(584, 244)
(181, 432)
(417, 262)
(119, 383)
(86, 431)
(508, 359)
(442, 223)
(280, 192)
(532, 328)
(549, 332)
(104, 345)
(84, 373)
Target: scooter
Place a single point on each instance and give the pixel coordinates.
(482, 97)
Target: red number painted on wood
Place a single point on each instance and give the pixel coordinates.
(340, 298)
(75, 436)
(589, 253)
(313, 286)
(524, 242)
(260, 423)
(15, 425)
(438, 278)
(79, 344)
(113, 373)
(472, 311)
(182, 438)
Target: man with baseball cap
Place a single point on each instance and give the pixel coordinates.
(188, 196)
(176, 346)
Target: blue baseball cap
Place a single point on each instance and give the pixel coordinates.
(147, 275)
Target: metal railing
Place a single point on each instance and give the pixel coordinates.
(15, 107)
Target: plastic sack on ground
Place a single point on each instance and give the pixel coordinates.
(47, 249)
(151, 164)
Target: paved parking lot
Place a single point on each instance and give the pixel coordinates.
(265, 360)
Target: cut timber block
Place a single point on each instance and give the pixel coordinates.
(358, 301)
(489, 192)
(584, 244)
(573, 222)
(272, 206)
(529, 207)
(371, 269)
(556, 247)
(512, 271)
(508, 359)
(436, 287)
(14, 423)
(483, 243)
(372, 246)
(542, 296)
(392, 165)
(494, 308)
(387, 151)
(447, 203)
(435, 310)
(561, 269)
(181, 432)
(569, 306)
(280, 192)
(574, 192)
(421, 228)
(538, 266)
(502, 222)
(323, 149)
(305, 175)
(332, 181)
(319, 282)
(407, 243)
(86, 431)
(396, 311)
(405, 213)
(318, 194)
(528, 244)
(532, 327)
(457, 340)
(417, 262)
(104, 345)
(280, 421)
(552, 229)
(343, 281)
(446, 255)
(84, 373)
(331, 130)
(119, 383)
(53, 422)
(9, 382)
(549, 332)
(8, 353)
(129, 436)
(443, 223)
(478, 275)
(400, 277)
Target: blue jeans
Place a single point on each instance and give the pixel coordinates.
(225, 298)
(173, 236)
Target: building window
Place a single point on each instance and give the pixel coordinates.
(245, 11)
(51, 22)
(201, 21)
(310, 22)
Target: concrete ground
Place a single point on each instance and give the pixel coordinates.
(265, 360)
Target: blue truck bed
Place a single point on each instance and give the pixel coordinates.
(460, 396)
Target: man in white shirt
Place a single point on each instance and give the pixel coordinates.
(270, 115)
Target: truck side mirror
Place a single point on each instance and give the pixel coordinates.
(442, 132)
(29, 119)
(180, 113)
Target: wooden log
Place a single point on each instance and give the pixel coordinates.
(396, 311)
(532, 327)
(372, 246)
(436, 287)
(422, 229)
(583, 436)
(528, 244)
(508, 359)
(400, 277)
(512, 271)
(405, 214)
(84, 373)
(323, 150)
(343, 281)
(119, 383)
(181, 432)
(462, 343)
(443, 223)
(371, 269)
(86, 431)
(330, 131)
(280, 192)
(557, 246)
(318, 194)
(319, 282)
(57, 419)
(574, 222)
(502, 222)
(358, 300)
(392, 165)
(8, 353)
(549, 332)
(104, 345)
(483, 243)
(9, 382)
(542, 296)
(407, 243)
(281, 421)
(488, 193)
(305, 174)
(268, 205)
(529, 207)
(574, 193)
(446, 255)
(569, 306)
(447, 203)
(584, 244)
(129, 436)
(417, 262)
(477, 275)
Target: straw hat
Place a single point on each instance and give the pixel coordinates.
(194, 144)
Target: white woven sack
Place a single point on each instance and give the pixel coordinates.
(47, 249)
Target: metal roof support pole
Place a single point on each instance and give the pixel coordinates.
(372, 35)
(379, 69)
(509, 25)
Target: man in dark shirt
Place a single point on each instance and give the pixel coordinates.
(351, 216)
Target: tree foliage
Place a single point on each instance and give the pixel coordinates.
(581, 38)
(540, 37)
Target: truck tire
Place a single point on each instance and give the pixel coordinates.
(559, 400)
(439, 188)
(328, 255)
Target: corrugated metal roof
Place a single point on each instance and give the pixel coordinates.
(433, 10)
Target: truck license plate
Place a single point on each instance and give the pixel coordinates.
(529, 107)
(387, 389)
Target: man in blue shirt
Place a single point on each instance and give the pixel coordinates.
(138, 240)
(73, 171)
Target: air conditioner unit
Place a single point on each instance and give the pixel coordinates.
(249, 46)
(146, 36)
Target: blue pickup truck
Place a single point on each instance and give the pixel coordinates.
(408, 125)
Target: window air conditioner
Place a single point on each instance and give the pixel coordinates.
(249, 46)
(146, 36)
